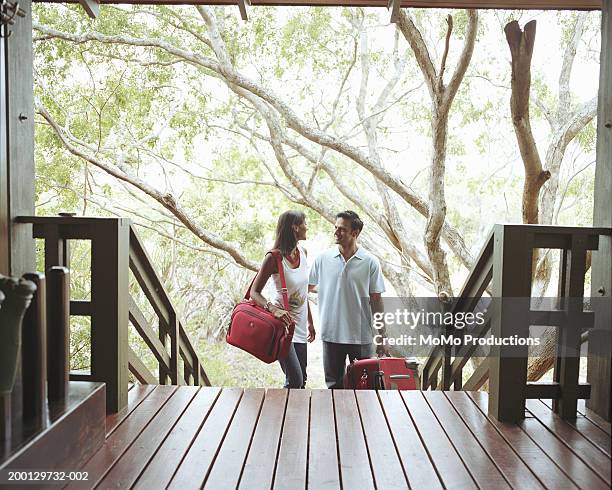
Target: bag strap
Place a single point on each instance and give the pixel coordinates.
(279, 263)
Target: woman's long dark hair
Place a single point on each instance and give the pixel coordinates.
(285, 237)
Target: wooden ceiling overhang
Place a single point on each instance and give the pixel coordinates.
(458, 4)
(92, 7)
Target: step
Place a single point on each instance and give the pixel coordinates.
(76, 430)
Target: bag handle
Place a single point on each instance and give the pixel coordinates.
(279, 263)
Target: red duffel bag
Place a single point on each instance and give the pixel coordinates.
(257, 331)
(384, 373)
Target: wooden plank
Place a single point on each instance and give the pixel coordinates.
(133, 461)
(293, 451)
(387, 470)
(458, 4)
(117, 443)
(588, 415)
(515, 471)
(600, 356)
(197, 462)
(582, 447)
(447, 462)
(579, 472)
(594, 417)
(230, 460)
(588, 429)
(355, 471)
(259, 467)
(480, 466)
(168, 457)
(533, 456)
(538, 389)
(135, 396)
(322, 446)
(417, 464)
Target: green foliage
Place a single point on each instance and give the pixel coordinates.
(180, 129)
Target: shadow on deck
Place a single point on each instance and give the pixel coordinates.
(186, 437)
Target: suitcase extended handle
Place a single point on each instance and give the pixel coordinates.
(379, 380)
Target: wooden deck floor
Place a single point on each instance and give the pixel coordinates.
(187, 437)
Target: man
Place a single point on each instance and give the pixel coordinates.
(349, 283)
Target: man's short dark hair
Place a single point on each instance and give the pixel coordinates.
(353, 217)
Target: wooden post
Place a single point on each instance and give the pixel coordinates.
(174, 348)
(600, 337)
(58, 339)
(568, 346)
(17, 254)
(57, 251)
(163, 338)
(512, 259)
(34, 353)
(110, 316)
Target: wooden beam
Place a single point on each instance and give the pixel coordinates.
(92, 7)
(394, 7)
(459, 4)
(242, 6)
(600, 338)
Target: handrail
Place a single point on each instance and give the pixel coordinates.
(150, 283)
(475, 285)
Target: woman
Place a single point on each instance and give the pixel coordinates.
(290, 229)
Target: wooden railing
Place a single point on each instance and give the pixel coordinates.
(440, 364)
(504, 268)
(171, 329)
(115, 250)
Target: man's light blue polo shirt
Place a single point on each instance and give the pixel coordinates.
(344, 294)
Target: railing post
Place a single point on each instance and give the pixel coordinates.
(196, 371)
(34, 354)
(173, 330)
(512, 259)
(600, 337)
(568, 347)
(58, 339)
(109, 320)
(163, 338)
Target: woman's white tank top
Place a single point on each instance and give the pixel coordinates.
(297, 292)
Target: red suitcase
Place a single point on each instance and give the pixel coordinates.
(385, 373)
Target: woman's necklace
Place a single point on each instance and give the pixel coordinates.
(294, 258)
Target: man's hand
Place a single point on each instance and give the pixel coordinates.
(311, 332)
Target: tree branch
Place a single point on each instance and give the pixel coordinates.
(521, 49)
(165, 199)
